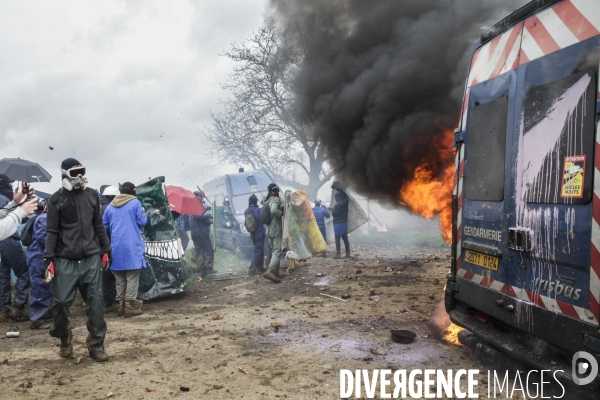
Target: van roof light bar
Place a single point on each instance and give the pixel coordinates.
(516, 16)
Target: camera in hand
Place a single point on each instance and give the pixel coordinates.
(25, 188)
(41, 203)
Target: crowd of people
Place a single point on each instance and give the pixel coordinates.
(91, 241)
(267, 221)
(80, 239)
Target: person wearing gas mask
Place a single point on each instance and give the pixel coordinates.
(123, 220)
(74, 225)
(14, 207)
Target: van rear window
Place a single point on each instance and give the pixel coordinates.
(556, 158)
(485, 151)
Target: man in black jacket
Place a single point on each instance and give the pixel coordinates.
(74, 226)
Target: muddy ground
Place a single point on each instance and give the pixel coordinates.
(216, 338)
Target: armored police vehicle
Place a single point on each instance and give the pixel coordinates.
(229, 195)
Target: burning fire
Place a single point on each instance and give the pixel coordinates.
(429, 195)
(382, 229)
(451, 334)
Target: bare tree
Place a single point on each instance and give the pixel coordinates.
(257, 127)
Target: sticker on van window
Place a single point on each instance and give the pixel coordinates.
(572, 183)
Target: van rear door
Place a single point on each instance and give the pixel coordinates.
(550, 233)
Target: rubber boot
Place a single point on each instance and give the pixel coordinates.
(348, 254)
(66, 345)
(132, 309)
(270, 276)
(337, 256)
(19, 314)
(252, 271)
(4, 316)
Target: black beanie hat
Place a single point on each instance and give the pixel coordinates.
(273, 187)
(69, 163)
(128, 188)
(252, 199)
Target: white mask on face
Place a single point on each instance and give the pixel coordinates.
(74, 183)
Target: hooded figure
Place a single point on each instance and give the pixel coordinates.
(258, 237)
(340, 222)
(74, 226)
(274, 232)
(123, 220)
(204, 254)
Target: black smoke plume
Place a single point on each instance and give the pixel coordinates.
(382, 81)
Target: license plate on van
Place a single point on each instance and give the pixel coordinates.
(482, 260)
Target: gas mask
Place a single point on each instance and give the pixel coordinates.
(74, 178)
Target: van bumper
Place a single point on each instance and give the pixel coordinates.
(558, 329)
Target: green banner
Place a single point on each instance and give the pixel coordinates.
(166, 272)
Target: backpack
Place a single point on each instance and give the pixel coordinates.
(26, 235)
(250, 222)
(265, 214)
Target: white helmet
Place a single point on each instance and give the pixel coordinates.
(110, 191)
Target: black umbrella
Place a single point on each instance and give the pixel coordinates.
(23, 170)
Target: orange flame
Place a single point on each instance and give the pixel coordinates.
(429, 195)
(451, 334)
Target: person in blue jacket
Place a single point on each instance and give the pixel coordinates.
(320, 214)
(41, 296)
(123, 220)
(258, 238)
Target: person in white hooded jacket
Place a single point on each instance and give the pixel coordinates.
(13, 213)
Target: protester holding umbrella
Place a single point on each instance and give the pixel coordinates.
(74, 226)
(184, 204)
(123, 220)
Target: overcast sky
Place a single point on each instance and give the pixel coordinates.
(123, 86)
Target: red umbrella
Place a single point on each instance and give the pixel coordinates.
(183, 201)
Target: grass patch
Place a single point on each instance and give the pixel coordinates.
(403, 239)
